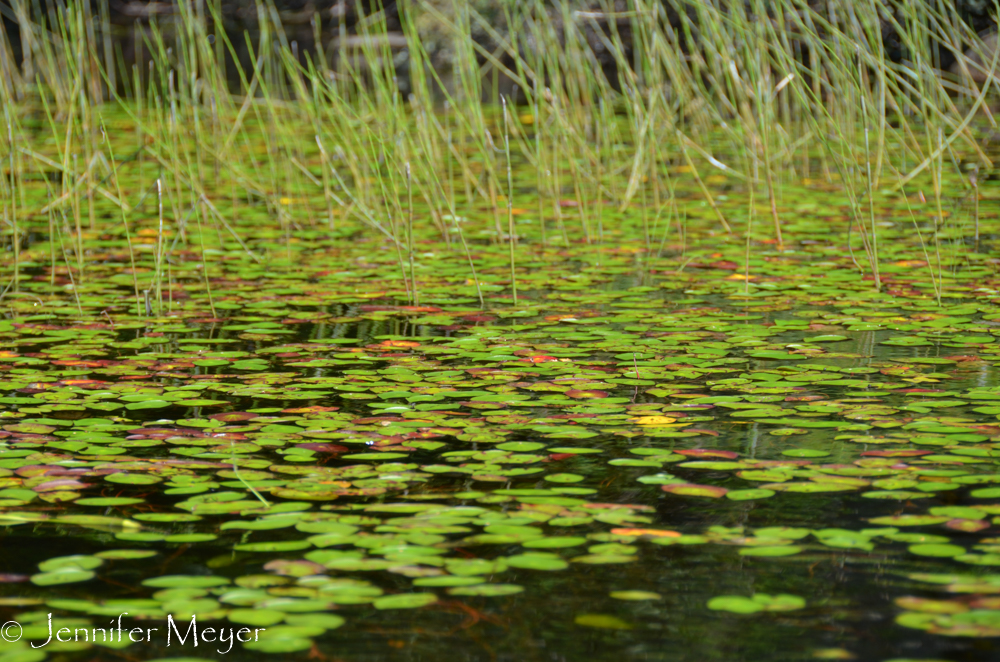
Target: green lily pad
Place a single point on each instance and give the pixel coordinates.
(125, 554)
(554, 542)
(256, 617)
(186, 581)
(107, 501)
(936, 550)
(759, 602)
(564, 478)
(447, 580)
(635, 595)
(68, 575)
(536, 562)
(148, 404)
(602, 621)
(486, 590)
(805, 452)
(405, 601)
(79, 561)
(749, 495)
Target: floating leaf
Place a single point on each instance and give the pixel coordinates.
(449, 580)
(148, 404)
(553, 542)
(602, 621)
(654, 533)
(78, 561)
(749, 495)
(186, 581)
(736, 604)
(536, 562)
(256, 617)
(635, 595)
(405, 601)
(486, 590)
(67, 575)
(759, 602)
(805, 452)
(653, 420)
(125, 554)
(107, 501)
(691, 489)
(564, 478)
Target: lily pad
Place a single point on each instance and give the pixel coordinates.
(405, 601)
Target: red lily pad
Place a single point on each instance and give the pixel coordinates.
(967, 525)
(708, 452)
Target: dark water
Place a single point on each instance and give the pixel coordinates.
(849, 592)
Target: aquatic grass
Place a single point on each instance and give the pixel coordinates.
(806, 86)
(10, 190)
(128, 235)
(510, 202)
(158, 255)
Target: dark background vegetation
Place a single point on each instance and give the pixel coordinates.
(336, 23)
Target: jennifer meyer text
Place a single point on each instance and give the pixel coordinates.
(170, 632)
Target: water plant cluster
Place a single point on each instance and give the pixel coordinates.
(540, 358)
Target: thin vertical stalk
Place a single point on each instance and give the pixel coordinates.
(128, 236)
(510, 201)
(409, 233)
(14, 178)
(870, 193)
(158, 260)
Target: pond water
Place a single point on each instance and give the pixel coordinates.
(553, 481)
(253, 416)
